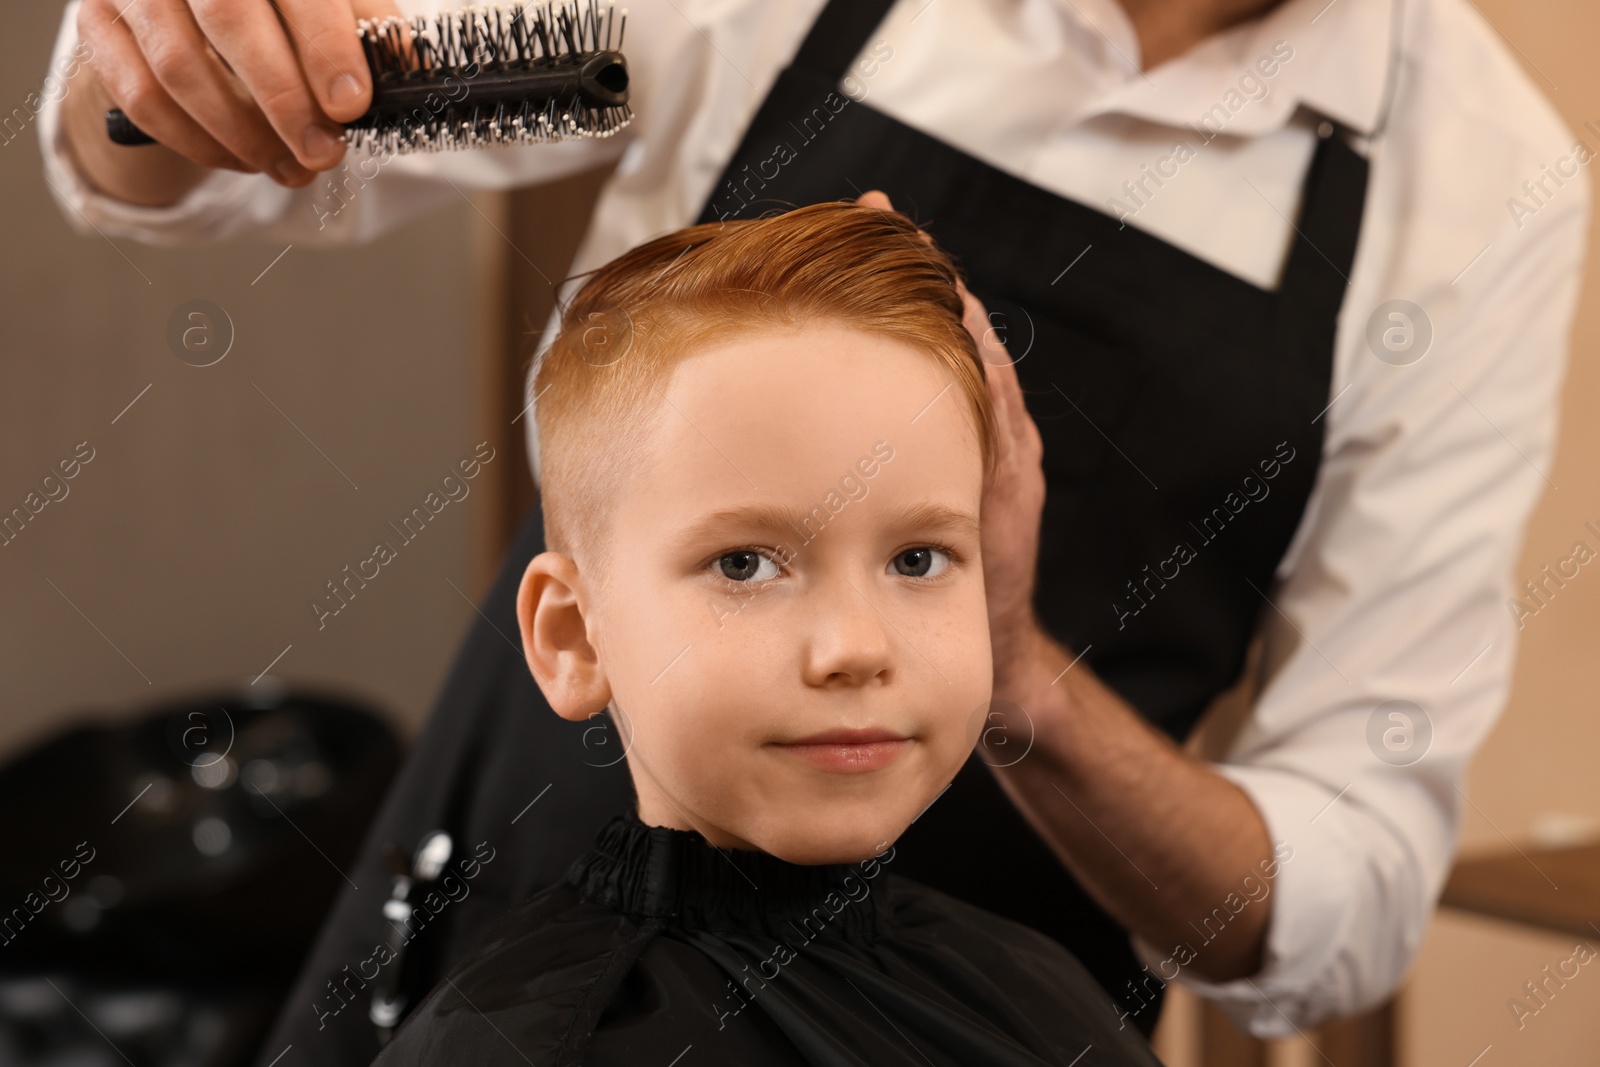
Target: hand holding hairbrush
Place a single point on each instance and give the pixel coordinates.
(482, 76)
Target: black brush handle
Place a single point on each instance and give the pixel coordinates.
(600, 79)
(121, 129)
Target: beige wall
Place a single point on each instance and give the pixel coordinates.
(191, 545)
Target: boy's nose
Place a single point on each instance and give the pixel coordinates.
(851, 640)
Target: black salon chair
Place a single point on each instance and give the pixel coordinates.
(161, 878)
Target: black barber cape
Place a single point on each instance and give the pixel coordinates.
(658, 949)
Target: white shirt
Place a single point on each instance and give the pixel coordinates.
(1396, 585)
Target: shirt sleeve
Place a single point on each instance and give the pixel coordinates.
(1390, 636)
(368, 195)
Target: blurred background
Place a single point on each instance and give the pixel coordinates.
(158, 638)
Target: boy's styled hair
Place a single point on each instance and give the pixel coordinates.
(839, 263)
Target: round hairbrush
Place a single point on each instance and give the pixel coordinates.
(482, 76)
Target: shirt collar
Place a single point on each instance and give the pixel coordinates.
(1339, 66)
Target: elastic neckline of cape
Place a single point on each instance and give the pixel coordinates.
(656, 872)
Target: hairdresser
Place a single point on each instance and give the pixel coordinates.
(1291, 366)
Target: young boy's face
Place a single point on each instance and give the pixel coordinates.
(792, 631)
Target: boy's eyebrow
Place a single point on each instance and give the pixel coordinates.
(778, 516)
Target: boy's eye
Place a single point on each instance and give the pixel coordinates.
(746, 566)
(920, 563)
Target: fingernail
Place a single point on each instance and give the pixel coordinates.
(344, 90)
(321, 141)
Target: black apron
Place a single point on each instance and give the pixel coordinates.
(1166, 390)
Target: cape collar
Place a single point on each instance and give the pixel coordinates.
(655, 872)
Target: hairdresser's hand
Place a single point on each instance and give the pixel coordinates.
(1013, 497)
(248, 85)
(1013, 504)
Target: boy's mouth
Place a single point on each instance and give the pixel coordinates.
(848, 751)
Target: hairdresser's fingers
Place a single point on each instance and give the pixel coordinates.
(129, 83)
(875, 198)
(325, 37)
(879, 199)
(193, 73)
(1019, 439)
(251, 39)
(1013, 498)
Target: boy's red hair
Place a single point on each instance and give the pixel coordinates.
(639, 315)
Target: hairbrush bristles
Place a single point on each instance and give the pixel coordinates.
(493, 76)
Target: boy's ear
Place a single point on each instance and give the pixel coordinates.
(556, 641)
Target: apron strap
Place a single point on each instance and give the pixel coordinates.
(1318, 268)
(839, 33)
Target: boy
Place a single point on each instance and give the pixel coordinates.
(763, 447)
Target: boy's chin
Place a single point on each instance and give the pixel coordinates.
(806, 841)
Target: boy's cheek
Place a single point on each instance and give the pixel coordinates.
(956, 631)
(700, 754)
